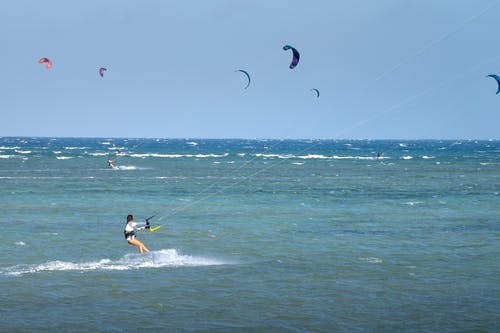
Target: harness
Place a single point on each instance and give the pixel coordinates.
(128, 233)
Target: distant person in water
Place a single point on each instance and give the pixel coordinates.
(131, 228)
(111, 164)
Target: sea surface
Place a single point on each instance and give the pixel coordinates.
(256, 235)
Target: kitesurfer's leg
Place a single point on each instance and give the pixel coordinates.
(139, 244)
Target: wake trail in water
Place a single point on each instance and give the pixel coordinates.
(154, 259)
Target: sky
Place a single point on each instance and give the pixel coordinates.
(385, 69)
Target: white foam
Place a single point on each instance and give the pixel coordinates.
(407, 157)
(73, 148)
(155, 259)
(413, 203)
(125, 167)
(178, 155)
(372, 260)
(8, 156)
(64, 157)
(312, 156)
(98, 154)
(6, 148)
(23, 151)
(425, 157)
(192, 143)
(20, 243)
(320, 157)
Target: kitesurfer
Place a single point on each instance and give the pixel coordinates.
(111, 164)
(131, 228)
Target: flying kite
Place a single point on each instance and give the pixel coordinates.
(497, 78)
(46, 60)
(248, 76)
(296, 55)
(102, 70)
(317, 92)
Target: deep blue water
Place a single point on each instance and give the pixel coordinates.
(256, 236)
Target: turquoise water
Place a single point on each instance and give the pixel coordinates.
(256, 236)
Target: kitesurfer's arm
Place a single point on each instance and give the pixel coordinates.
(140, 225)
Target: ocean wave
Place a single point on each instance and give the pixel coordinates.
(192, 143)
(155, 259)
(319, 157)
(407, 157)
(23, 151)
(7, 148)
(372, 260)
(73, 148)
(98, 154)
(64, 157)
(425, 157)
(413, 203)
(178, 155)
(9, 156)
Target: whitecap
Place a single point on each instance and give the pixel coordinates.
(73, 148)
(64, 157)
(20, 243)
(23, 151)
(407, 157)
(413, 203)
(313, 156)
(372, 260)
(425, 157)
(178, 155)
(98, 154)
(192, 143)
(297, 163)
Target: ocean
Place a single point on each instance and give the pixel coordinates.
(256, 235)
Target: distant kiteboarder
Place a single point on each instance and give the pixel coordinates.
(111, 164)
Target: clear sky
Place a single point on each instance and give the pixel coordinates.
(400, 69)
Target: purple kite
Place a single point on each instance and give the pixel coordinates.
(296, 55)
(46, 60)
(102, 70)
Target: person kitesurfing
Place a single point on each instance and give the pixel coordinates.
(131, 228)
(111, 164)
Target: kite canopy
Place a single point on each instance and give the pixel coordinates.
(46, 60)
(247, 75)
(317, 92)
(102, 70)
(296, 55)
(497, 78)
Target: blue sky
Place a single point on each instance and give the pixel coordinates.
(386, 69)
